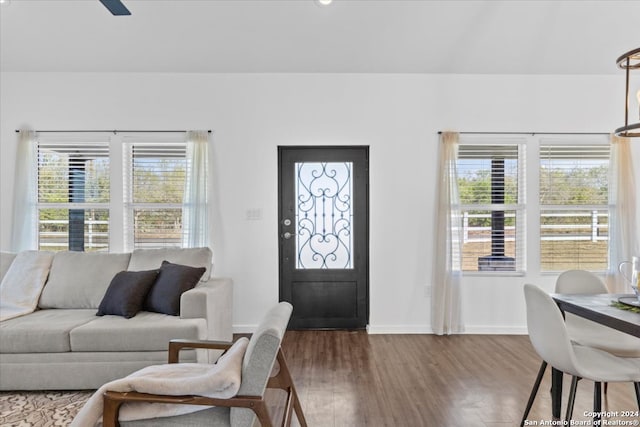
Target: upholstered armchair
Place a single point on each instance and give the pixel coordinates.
(262, 354)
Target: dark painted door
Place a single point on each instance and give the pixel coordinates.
(324, 235)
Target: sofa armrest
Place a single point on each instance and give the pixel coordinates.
(213, 301)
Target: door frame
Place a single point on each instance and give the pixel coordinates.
(365, 252)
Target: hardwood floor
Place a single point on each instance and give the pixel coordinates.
(354, 379)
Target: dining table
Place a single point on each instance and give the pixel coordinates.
(600, 308)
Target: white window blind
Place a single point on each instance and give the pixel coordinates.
(154, 188)
(73, 195)
(573, 205)
(491, 190)
(117, 191)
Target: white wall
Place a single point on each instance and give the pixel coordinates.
(398, 116)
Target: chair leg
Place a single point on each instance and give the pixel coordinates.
(556, 393)
(597, 402)
(636, 385)
(298, 408)
(606, 388)
(111, 410)
(260, 409)
(572, 397)
(534, 391)
(283, 381)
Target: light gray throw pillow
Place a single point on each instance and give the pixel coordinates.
(6, 258)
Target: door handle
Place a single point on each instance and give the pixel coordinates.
(288, 235)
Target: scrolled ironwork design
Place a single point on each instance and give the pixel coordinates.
(324, 215)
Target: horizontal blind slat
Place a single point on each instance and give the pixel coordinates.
(574, 174)
(75, 172)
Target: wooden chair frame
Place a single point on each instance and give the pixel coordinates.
(282, 380)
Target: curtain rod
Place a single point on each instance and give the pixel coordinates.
(531, 133)
(112, 131)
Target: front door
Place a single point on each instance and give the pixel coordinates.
(324, 235)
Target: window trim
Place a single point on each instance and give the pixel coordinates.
(117, 143)
(595, 139)
(530, 196)
(72, 140)
(127, 141)
(519, 208)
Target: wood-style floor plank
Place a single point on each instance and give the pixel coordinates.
(352, 379)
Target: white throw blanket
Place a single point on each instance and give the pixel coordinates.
(21, 286)
(220, 380)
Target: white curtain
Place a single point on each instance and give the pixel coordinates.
(195, 225)
(446, 312)
(25, 214)
(623, 232)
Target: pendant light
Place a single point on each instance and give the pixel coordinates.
(628, 62)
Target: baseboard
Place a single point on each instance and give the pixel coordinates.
(416, 329)
(426, 329)
(399, 329)
(388, 329)
(496, 330)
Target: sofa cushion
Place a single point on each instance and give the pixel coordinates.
(172, 282)
(127, 292)
(144, 332)
(80, 279)
(43, 331)
(148, 259)
(6, 258)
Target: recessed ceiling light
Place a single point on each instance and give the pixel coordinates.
(323, 2)
(7, 2)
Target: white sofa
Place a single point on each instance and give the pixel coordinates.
(64, 345)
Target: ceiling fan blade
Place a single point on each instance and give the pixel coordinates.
(116, 7)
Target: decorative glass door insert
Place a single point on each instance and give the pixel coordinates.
(324, 215)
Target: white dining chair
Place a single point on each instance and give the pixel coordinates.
(585, 332)
(549, 337)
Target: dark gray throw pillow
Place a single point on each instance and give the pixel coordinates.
(126, 293)
(173, 280)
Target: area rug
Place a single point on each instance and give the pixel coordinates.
(40, 409)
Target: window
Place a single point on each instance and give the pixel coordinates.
(566, 198)
(574, 206)
(155, 188)
(73, 195)
(112, 192)
(491, 203)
